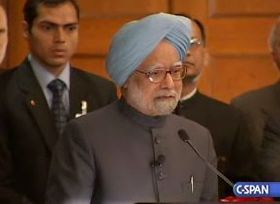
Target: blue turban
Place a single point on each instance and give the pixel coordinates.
(137, 39)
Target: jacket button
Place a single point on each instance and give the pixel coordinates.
(223, 159)
(157, 140)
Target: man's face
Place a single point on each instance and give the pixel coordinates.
(53, 37)
(155, 98)
(3, 33)
(196, 57)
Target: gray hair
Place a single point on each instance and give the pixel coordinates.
(274, 37)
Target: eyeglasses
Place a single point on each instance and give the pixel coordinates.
(195, 43)
(156, 75)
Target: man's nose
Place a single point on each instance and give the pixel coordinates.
(60, 35)
(168, 81)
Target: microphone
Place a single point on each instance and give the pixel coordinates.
(186, 139)
(159, 161)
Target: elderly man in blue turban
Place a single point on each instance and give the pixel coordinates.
(130, 151)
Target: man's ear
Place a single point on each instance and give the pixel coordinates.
(26, 31)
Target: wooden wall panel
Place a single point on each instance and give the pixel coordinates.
(17, 47)
(197, 8)
(254, 8)
(230, 76)
(3, 3)
(92, 64)
(96, 34)
(119, 8)
(239, 36)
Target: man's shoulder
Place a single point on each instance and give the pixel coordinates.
(255, 96)
(6, 74)
(22, 70)
(7, 77)
(217, 107)
(90, 77)
(210, 101)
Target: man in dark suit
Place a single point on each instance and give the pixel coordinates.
(223, 121)
(130, 151)
(32, 114)
(262, 109)
(257, 105)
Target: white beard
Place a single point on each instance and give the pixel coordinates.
(158, 106)
(167, 106)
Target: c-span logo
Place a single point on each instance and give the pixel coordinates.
(257, 189)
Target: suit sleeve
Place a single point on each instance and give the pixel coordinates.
(243, 154)
(268, 162)
(8, 194)
(254, 117)
(210, 188)
(71, 176)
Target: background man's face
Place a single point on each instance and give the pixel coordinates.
(196, 56)
(3, 33)
(155, 98)
(53, 37)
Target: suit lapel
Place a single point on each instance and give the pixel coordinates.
(37, 105)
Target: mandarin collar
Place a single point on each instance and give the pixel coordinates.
(140, 118)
